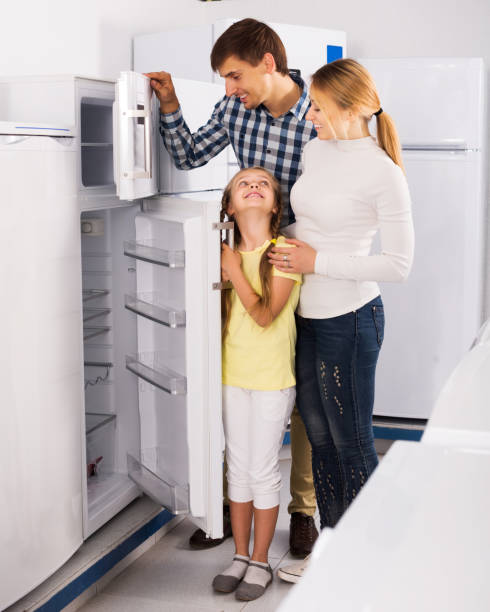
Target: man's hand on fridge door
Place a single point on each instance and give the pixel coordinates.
(161, 83)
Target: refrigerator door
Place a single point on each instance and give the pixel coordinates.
(135, 163)
(178, 363)
(41, 386)
(432, 318)
(435, 102)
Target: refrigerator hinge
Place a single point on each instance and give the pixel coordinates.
(228, 227)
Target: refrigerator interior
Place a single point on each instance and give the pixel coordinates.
(152, 376)
(109, 331)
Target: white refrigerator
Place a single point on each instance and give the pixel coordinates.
(111, 325)
(41, 397)
(438, 106)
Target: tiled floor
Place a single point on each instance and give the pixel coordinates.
(172, 577)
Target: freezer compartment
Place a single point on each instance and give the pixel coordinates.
(152, 367)
(152, 252)
(156, 307)
(148, 472)
(97, 168)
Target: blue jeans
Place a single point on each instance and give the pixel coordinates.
(335, 368)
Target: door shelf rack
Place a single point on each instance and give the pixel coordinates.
(148, 474)
(151, 251)
(150, 368)
(153, 306)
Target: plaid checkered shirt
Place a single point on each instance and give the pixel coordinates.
(258, 139)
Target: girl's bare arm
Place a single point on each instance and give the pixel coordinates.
(280, 291)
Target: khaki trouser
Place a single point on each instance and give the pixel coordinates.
(301, 481)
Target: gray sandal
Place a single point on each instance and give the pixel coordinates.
(247, 591)
(226, 583)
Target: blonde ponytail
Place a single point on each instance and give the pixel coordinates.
(387, 137)
(351, 86)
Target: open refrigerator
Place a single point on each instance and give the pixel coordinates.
(114, 376)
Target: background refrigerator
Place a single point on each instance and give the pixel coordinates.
(438, 106)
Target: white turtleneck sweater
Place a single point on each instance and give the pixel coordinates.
(348, 190)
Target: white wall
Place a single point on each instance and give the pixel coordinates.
(93, 38)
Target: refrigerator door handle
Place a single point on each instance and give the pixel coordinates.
(146, 115)
(229, 228)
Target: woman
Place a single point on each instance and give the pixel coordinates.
(351, 186)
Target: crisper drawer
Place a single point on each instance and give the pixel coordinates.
(148, 472)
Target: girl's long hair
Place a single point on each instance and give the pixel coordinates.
(351, 86)
(265, 268)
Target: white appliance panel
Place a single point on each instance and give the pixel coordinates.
(197, 100)
(432, 318)
(40, 363)
(435, 102)
(184, 53)
(461, 416)
(416, 538)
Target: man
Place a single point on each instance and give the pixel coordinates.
(262, 116)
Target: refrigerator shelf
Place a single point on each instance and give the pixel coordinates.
(153, 307)
(150, 251)
(148, 472)
(94, 313)
(148, 366)
(91, 294)
(96, 144)
(94, 421)
(92, 332)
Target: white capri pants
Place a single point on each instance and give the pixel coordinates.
(254, 424)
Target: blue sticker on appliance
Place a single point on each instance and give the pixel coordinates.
(334, 52)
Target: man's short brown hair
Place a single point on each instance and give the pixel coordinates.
(249, 40)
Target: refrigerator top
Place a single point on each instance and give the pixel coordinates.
(35, 129)
(436, 103)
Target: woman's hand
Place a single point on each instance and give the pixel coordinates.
(300, 260)
(230, 261)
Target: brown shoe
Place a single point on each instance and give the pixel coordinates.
(200, 541)
(302, 534)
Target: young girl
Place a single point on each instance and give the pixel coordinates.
(259, 336)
